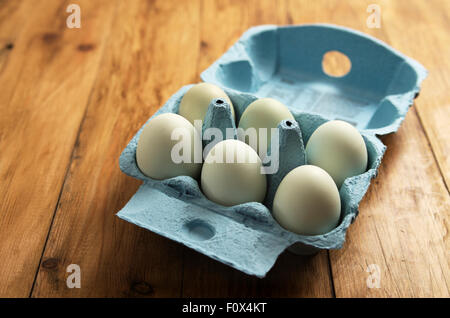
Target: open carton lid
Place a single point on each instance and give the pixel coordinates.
(285, 63)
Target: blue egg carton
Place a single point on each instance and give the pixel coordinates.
(284, 63)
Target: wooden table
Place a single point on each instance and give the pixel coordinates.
(71, 99)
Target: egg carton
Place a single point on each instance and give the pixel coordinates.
(284, 63)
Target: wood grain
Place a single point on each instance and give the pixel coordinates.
(70, 100)
(410, 249)
(402, 227)
(45, 83)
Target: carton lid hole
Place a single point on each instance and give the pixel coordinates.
(336, 64)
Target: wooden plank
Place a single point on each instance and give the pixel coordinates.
(402, 225)
(292, 275)
(401, 232)
(149, 56)
(426, 38)
(45, 79)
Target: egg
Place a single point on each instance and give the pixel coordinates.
(195, 102)
(263, 113)
(231, 174)
(154, 155)
(307, 201)
(339, 149)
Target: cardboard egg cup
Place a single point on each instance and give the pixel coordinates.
(284, 63)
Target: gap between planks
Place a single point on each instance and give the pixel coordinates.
(66, 174)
